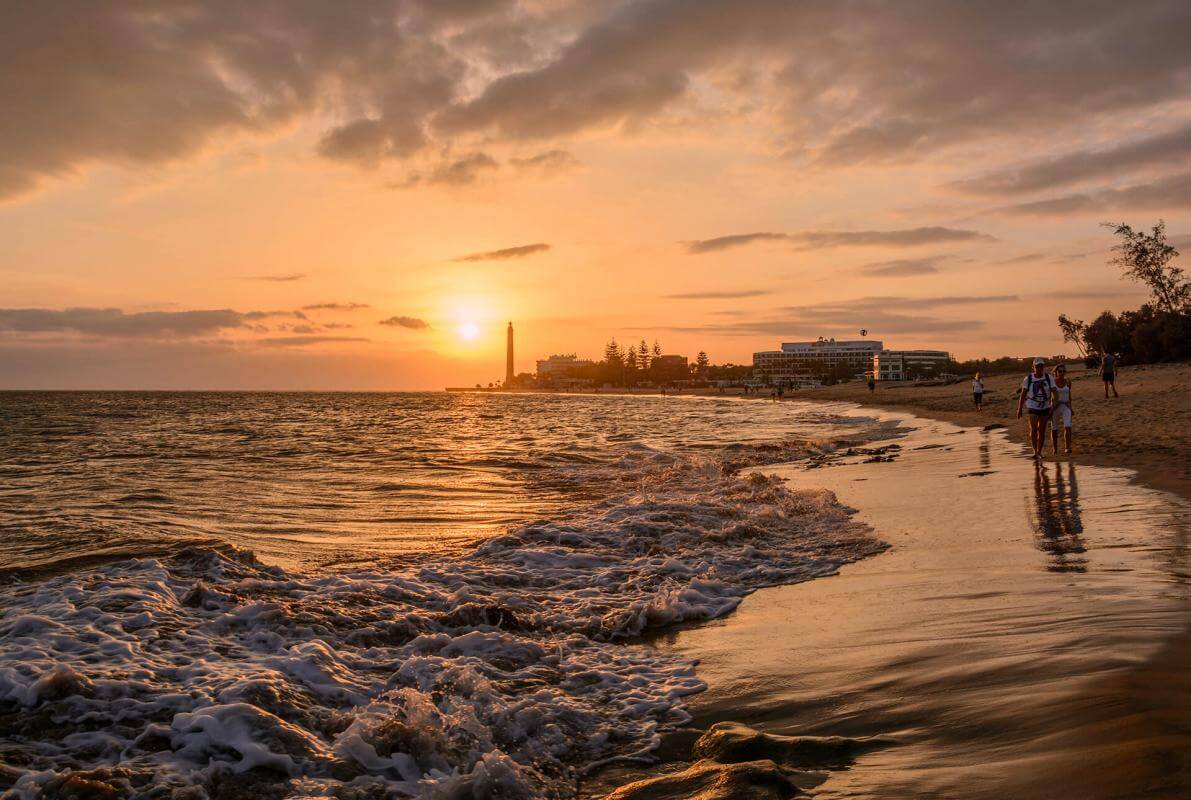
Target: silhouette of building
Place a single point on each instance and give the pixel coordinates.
(509, 358)
(557, 366)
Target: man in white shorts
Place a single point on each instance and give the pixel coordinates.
(1036, 392)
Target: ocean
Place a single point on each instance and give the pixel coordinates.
(369, 595)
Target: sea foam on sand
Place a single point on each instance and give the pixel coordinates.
(498, 674)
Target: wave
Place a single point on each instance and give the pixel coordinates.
(501, 673)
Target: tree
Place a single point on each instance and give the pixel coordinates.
(1074, 331)
(1146, 257)
(630, 359)
(657, 348)
(1106, 335)
(702, 363)
(612, 353)
(642, 356)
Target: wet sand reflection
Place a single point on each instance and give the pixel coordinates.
(1056, 519)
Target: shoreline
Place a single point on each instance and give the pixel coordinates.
(1147, 430)
(1002, 654)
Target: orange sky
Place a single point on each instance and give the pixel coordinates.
(175, 204)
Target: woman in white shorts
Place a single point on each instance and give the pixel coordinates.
(1061, 418)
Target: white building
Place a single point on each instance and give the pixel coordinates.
(560, 365)
(904, 365)
(798, 362)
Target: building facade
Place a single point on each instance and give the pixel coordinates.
(799, 362)
(904, 365)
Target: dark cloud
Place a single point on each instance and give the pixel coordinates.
(1173, 192)
(521, 251)
(112, 322)
(1173, 147)
(817, 240)
(903, 267)
(335, 306)
(843, 83)
(412, 323)
(719, 295)
(288, 278)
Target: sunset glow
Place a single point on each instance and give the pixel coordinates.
(718, 181)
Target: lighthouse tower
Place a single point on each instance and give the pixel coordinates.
(509, 359)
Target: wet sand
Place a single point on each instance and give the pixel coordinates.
(1146, 429)
(1027, 636)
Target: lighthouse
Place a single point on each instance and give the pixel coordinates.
(509, 359)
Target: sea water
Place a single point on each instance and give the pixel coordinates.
(375, 595)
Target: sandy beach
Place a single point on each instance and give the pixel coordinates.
(1146, 429)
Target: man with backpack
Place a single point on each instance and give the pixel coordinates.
(1036, 399)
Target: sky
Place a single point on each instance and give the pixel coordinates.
(290, 194)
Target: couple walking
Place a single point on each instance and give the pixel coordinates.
(1047, 398)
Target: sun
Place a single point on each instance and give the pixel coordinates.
(469, 331)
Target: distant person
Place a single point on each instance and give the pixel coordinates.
(1035, 397)
(978, 392)
(781, 392)
(1108, 374)
(1062, 411)
(872, 386)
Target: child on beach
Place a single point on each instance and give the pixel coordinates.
(1063, 411)
(1035, 397)
(978, 392)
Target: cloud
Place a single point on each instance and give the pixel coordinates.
(1173, 192)
(112, 322)
(817, 240)
(335, 306)
(734, 240)
(903, 267)
(288, 278)
(1165, 149)
(1025, 258)
(461, 172)
(303, 341)
(880, 316)
(521, 251)
(843, 83)
(548, 162)
(412, 323)
(719, 295)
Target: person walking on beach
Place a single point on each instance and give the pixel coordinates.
(872, 384)
(1062, 411)
(1035, 397)
(978, 392)
(1108, 374)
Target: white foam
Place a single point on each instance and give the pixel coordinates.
(494, 675)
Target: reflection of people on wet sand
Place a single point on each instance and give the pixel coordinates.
(1056, 517)
(1035, 397)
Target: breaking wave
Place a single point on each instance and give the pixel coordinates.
(498, 674)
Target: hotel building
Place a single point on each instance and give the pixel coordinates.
(797, 363)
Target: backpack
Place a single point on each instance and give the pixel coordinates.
(1039, 397)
